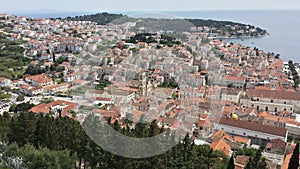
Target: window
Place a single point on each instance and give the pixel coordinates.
(275, 109)
(244, 133)
(271, 101)
(257, 99)
(232, 131)
(291, 109)
(284, 102)
(284, 109)
(257, 108)
(267, 109)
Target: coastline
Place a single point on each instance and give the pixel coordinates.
(240, 37)
(249, 37)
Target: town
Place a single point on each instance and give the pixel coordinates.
(232, 97)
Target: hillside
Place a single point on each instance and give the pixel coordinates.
(177, 25)
(12, 58)
(100, 18)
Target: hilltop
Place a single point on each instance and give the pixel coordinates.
(227, 29)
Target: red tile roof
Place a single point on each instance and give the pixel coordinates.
(222, 146)
(273, 95)
(276, 144)
(2, 79)
(45, 108)
(220, 134)
(281, 119)
(108, 113)
(233, 78)
(204, 123)
(241, 159)
(254, 126)
(241, 139)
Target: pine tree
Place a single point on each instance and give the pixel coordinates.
(294, 161)
(231, 163)
(256, 161)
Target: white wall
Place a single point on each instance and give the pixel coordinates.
(246, 132)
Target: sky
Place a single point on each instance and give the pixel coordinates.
(142, 5)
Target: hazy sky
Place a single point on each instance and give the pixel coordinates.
(144, 5)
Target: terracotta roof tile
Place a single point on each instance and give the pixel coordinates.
(220, 134)
(254, 126)
(276, 144)
(222, 146)
(241, 159)
(274, 95)
(241, 139)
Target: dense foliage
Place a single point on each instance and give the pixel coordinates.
(34, 70)
(12, 58)
(150, 38)
(102, 84)
(142, 37)
(39, 141)
(294, 73)
(28, 156)
(171, 85)
(100, 18)
(223, 24)
(257, 161)
(231, 163)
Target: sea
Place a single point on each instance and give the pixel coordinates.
(283, 26)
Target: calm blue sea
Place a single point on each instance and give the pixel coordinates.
(283, 25)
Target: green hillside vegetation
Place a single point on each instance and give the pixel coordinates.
(100, 18)
(12, 59)
(176, 25)
(36, 141)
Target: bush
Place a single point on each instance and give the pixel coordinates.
(20, 98)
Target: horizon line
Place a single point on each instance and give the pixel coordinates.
(130, 11)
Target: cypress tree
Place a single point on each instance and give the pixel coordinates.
(294, 161)
(53, 57)
(231, 163)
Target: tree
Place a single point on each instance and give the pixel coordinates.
(230, 85)
(42, 158)
(20, 98)
(257, 161)
(34, 70)
(231, 163)
(23, 107)
(4, 126)
(47, 100)
(294, 161)
(42, 141)
(53, 57)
